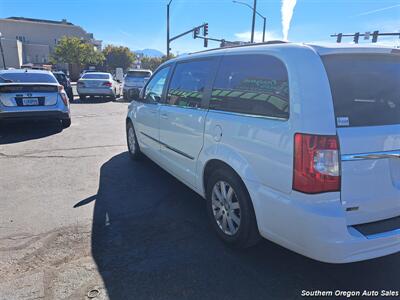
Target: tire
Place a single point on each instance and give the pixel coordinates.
(241, 230)
(133, 145)
(65, 123)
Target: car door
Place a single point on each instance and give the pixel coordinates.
(182, 116)
(146, 113)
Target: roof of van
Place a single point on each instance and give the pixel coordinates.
(321, 49)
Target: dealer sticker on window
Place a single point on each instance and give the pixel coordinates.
(343, 121)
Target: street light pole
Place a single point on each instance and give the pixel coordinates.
(265, 22)
(253, 23)
(249, 6)
(2, 52)
(169, 3)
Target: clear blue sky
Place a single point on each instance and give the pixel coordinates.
(140, 24)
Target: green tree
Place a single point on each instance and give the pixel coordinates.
(152, 63)
(118, 57)
(73, 50)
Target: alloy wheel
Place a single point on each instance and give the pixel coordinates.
(226, 208)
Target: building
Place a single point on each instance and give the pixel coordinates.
(31, 41)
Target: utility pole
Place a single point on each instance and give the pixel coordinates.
(168, 49)
(253, 23)
(2, 52)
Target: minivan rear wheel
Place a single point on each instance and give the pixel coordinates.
(133, 145)
(230, 209)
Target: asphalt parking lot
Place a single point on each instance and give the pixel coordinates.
(79, 219)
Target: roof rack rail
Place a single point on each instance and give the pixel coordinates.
(244, 45)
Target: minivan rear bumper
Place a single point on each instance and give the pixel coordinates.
(315, 226)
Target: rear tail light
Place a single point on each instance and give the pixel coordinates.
(316, 163)
(63, 94)
(109, 84)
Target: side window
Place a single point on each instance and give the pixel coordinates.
(155, 86)
(188, 83)
(252, 84)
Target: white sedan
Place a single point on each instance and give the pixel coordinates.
(98, 84)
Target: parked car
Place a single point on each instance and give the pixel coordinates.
(98, 84)
(297, 143)
(32, 94)
(65, 82)
(135, 80)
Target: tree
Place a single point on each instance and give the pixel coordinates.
(118, 57)
(152, 63)
(73, 50)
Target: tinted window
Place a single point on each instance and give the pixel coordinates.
(29, 77)
(96, 76)
(155, 86)
(138, 74)
(60, 77)
(365, 89)
(252, 84)
(188, 83)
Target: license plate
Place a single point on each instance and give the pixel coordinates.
(30, 101)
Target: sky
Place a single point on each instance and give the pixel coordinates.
(140, 24)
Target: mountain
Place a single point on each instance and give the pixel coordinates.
(150, 52)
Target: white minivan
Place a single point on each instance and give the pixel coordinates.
(299, 144)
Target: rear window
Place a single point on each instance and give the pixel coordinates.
(29, 77)
(138, 74)
(95, 76)
(365, 89)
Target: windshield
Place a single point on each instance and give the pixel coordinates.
(95, 76)
(365, 89)
(29, 77)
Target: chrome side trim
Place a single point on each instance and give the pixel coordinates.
(371, 155)
(168, 147)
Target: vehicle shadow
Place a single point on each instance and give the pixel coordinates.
(20, 131)
(151, 240)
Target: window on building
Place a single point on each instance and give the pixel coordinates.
(252, 84)
(188, 83)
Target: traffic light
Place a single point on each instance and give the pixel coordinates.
(375, 36)
(196, 32)
(205, 42)
(339, 38)
(356, 37)
(205, 29)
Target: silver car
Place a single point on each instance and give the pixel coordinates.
(98, 84)
(32, 94)
(135, 80)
